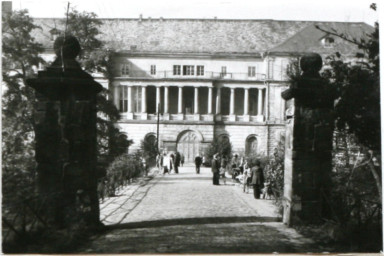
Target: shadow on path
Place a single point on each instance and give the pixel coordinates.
(192, 221)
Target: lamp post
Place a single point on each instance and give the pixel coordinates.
(158, 128)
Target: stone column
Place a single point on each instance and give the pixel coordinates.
(166, 96)
(144, 103)
(218, 104)
(116, 96)
(180, 101)
(129, 103)
(158, 100)
(232, 116)
(246, 104)
(259, 102)
(308, 149)
(196, 104)
(210, 100)
(180, 115)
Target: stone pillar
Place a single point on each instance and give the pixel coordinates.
(180, 115)
(158, 101)
(259, 102)
(166, 106)
(196, 101)
(218, 104)
(210, 100)
(116, 96)
(196, 104)
(308, 150)
(129, 103)
(180, 101)
(144, 103)
(232, 116)
(65, 134)
(246, 104)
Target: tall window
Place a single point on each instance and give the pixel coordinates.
(125, 70)
(176, 70)
(223, 70)
(123, 99)
(188, 70)
(270, 69)
(252, 71)
(153, 69)
(200, 70)
(136, 99)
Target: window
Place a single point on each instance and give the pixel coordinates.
(200, 70)
(176, 70)
(188, 70)
(125, 70)
(123, 99)
(223, 71)
(270, 69)
(251, 71)
(153, 69)
(328, 42)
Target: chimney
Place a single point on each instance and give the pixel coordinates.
(149, 18)
(161, 19)
(141, 17)
(215, 18)
(6, 7)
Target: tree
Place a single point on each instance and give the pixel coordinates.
(357, 109)
(20, 57)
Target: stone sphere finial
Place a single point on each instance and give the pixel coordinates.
(71, 47)
(311, 63)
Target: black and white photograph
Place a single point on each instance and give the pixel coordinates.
(191, 127)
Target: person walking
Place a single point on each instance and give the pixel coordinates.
(257, 179)
(215, 169)
(166, 164)
(182, 159)
(172, 164)
(198, 162)
(177, 162)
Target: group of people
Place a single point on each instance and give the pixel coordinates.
(169, 162)
(251, 173)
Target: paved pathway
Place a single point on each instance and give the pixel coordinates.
(185, 213)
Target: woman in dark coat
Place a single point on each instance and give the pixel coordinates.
(257, 179)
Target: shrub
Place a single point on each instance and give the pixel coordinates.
(121, 171)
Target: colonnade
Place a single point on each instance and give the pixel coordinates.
(261, 100)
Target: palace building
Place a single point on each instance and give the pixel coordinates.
(208, 78)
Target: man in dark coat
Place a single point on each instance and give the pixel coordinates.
(198, 162)
(215, 169)
(257, 179)
(177, 162)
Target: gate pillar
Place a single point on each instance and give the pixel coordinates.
(308, 149)
(65, 130)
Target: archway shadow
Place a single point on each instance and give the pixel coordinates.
(192, 221)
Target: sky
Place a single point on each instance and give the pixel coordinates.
(319, 10)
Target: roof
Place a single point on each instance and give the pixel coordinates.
(204, 35)
(310, 38)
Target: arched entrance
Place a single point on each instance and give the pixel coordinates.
(251, 146)
(188, 144)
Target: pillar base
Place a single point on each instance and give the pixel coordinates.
(144, 116)
(218, 117)
(246, 118)
(166, 116)
(180, 116)
(260, 118)
(232, 118)
(196, 117)
(129, 116)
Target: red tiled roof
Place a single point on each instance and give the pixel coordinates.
(205, 35)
